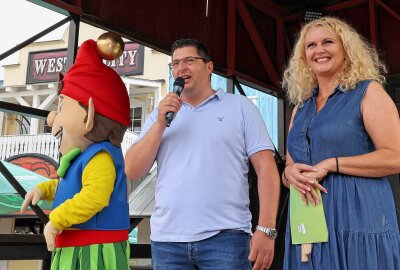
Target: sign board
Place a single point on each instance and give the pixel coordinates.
(44, 66)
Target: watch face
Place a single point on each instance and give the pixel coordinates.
(273, 234)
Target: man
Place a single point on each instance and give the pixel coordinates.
(88, 227)
(201, 218)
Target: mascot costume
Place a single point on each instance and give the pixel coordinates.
(88, 227)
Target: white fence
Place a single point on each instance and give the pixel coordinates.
(44, 144)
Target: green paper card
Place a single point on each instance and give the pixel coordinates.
(307, 222)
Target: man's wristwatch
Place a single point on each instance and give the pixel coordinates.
(272, 233)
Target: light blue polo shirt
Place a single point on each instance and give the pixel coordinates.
(202, 164)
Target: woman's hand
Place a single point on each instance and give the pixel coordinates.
(305, 179)
(294, 174)
(321, 172)
(312, 196)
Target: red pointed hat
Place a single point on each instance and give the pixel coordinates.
(89, 77)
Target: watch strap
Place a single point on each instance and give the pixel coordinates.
(271, 232)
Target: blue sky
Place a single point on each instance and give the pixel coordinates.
(20, 20)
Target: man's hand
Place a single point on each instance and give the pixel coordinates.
(50, 234)
(33, 196)
(261, 251)
(171, 103)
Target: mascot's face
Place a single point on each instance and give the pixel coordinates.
(69, 124)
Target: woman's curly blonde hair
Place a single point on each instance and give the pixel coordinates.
(361, 61)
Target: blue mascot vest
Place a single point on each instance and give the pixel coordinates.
(115, 216)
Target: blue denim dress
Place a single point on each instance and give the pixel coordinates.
(360, 211)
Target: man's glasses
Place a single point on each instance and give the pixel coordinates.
(186, 61)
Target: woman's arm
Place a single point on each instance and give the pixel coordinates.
(381, 120)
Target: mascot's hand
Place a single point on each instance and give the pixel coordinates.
(33, 196)
(50, 234)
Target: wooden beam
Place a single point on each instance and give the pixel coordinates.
(32, 87)
(332, 8)
(74, 8)
(22, 101)
(389, 10)
(258, 43)
(288, 46)
(372, 22)
(280, 44)
(269, 8)
(240, 76)
(27, 93)
(231, 36)
(48, 101)
(344, 5)
(293, 17)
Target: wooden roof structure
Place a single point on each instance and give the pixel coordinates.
(248, 39)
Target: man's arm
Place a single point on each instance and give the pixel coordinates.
(268, 187)
(261, 246)
(142, 154)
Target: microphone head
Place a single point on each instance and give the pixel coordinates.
(179, 81)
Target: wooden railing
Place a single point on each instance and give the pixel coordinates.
(128, 140)
(45, 144)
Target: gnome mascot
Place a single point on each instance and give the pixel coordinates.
(88, 227)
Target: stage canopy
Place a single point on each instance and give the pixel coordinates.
(248, 39)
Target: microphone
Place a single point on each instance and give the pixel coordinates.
(177, 89)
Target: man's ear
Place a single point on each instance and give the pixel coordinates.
(210, 66)
(90, 116)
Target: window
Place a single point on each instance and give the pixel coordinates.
(136, 119)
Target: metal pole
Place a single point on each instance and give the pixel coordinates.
(21, 191)
(32, 39)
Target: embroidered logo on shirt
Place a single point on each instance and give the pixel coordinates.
(220, 118)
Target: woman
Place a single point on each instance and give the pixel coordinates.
(344, 138)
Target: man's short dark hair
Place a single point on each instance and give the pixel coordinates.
(189, 42)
